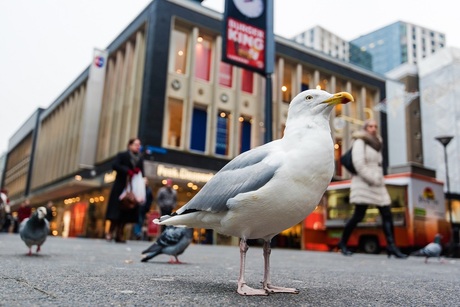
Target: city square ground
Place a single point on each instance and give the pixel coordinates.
(93, 272)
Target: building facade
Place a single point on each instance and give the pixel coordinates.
(325, 41)
(399, 43)
(165, 83)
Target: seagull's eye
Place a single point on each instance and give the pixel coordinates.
(309, 97)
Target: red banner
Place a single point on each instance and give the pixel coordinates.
(245, 44)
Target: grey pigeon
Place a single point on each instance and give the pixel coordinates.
(433, 249)
(172, 241)
(34, 230)
(270, 188)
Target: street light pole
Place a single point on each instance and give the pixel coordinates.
(445, 140)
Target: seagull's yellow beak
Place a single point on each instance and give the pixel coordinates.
(342, 97)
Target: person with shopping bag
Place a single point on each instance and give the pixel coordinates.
(128, 164)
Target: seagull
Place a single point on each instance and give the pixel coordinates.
(34, 230)
(172, 241)
(433, 249)
(269, 188)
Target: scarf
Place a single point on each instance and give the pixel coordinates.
(134, 158)
(369, 139)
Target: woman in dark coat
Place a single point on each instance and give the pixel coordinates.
(126, 164)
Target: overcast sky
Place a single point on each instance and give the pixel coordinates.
(46, 44)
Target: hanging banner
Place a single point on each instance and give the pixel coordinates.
(248, 35)
(92, 108)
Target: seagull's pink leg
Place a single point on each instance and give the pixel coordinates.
(267, 283)
(244, 289)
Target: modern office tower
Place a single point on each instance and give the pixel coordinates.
(399, 43)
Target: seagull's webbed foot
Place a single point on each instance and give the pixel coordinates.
(266, 283)
(244, 289)
(274, 289)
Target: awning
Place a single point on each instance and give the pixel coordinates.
(62, 189)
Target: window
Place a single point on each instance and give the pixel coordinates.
(175, 107)
(179, 43)
(286, 88)
(225, 74)
(306, 78)
(247, 81)
(222, 132)
(245, 133)
(203, 51)
(198, 136)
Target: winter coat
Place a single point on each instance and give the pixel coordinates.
(367, 186)
(122, 164)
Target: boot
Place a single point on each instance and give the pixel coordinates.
(391, 247)
(393, 250)
(120, 232)
(343, 241)
(343, 249)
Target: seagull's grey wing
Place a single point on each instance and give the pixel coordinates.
(247, 172)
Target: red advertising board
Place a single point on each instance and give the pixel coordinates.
(245, 44)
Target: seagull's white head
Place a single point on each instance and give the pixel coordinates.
(41, 212)
(315, 102)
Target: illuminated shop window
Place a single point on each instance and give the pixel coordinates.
(175, 107)
(198, 136)
(203, 52)
(247, 81)
(306, 79)
(225, 74)
(179, 45)
(245, 133)
(286, 88)
(222, 132)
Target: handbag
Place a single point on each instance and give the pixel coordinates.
(347, 161)
(127, 198)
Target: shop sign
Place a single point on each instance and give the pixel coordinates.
(182, 173)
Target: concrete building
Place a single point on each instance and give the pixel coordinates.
(439, 82)
(325, 41)
(165, 83)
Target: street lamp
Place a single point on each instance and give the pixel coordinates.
(445, 140)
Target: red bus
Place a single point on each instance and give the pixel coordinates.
(418, 208)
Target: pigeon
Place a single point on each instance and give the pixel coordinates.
(269, 188)
(172, 241)
(34, 230)
(433, 249)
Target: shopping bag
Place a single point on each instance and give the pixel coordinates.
(138, 187)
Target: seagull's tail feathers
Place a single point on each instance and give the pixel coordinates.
(192, 219)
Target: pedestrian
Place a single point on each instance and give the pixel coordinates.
(127, 164)
(49, 211)
(166, 199)
(24, 210)
(6, 219)
(368, 187)
(143, 210)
